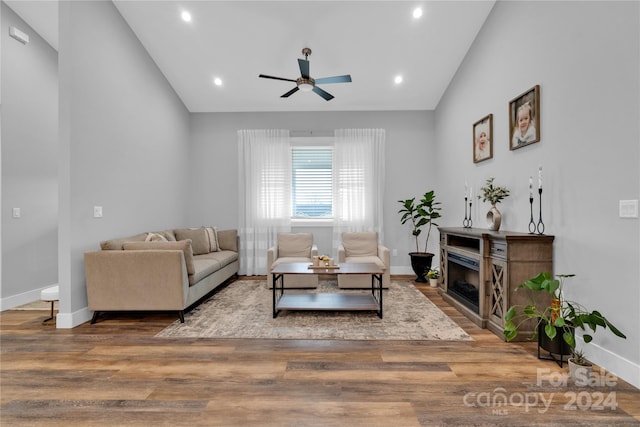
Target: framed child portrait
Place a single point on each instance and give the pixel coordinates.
(483, 139)
(524, 119)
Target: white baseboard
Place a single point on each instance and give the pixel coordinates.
(71, 320)
(619, 366)
(23, 298)
(401, 270)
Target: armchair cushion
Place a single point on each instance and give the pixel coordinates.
(360, 244)
(295, 245)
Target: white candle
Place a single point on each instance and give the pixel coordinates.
(530, 186)
(540, 177)
(465, 189)
(471, 193)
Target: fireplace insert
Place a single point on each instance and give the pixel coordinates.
(463, 278)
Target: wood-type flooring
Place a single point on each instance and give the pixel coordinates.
(115, 373)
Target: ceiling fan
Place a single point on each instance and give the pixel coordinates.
(306, 83)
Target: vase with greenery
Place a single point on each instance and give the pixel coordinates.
(420, 214)
(555, 314)
(494, 195)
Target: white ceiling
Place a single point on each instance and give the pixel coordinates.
(237, 40)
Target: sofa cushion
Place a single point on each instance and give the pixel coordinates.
(199, 239)
(116, 244)
(212, 232)
(182, 245)
(295, 244)
(169, 235)
(204, 266)
(228, 240)
(223, 257)
(360, 244)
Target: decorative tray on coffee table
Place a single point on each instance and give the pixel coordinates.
(322, 267)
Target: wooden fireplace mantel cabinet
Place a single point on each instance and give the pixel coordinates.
(505, 259)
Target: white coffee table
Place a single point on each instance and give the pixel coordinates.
(327, 301)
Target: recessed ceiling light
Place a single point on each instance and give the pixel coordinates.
(217, 81)
(186, 16)
(417, 12)
(398, 79)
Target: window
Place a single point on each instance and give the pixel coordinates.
(312, 182)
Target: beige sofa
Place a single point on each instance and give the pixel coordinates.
(168, 270)
(293, 247)
(362, 247)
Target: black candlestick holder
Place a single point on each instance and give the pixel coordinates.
(466, 222)
(540, 226)
(532, 223)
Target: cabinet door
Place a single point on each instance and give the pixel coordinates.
(498, 291)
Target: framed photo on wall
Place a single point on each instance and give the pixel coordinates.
(483, 139)
(524, 119)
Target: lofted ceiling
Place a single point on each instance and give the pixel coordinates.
(235, 41)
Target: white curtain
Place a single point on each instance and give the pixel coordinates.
(264, 195)
(358, 181)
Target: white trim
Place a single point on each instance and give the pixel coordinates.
(312, 222)
(71, 320)
(619, 366)
(401, 270)
(23, 298)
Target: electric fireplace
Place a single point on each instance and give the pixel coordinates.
(463, 280)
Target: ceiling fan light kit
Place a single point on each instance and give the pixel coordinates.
(306, 83)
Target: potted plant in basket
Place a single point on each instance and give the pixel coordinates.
(493, 195)
(557, 318)
(420, 214)
(433, 275)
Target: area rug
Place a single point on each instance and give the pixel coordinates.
(243, 309)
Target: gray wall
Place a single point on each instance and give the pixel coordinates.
(585, 57)
(29, 173)
(409, 165)
(124, 143)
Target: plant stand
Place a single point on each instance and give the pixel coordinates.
(557, 344)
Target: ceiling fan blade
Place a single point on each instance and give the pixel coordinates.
(322, 93)
(291, 92)
(276, 78)
(335, 79)
(304, 68)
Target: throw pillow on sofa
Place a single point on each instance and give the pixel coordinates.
(183, 245)
(155, 237)
(212, 232)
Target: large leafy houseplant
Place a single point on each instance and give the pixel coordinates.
(557, 313)
(420, 214)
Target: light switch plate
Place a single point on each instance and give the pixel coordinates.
(628, 209)
(97, 211)
(16, 213)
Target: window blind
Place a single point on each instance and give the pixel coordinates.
(312, 182)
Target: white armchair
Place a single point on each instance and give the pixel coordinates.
(293, 247)
(362, 247)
